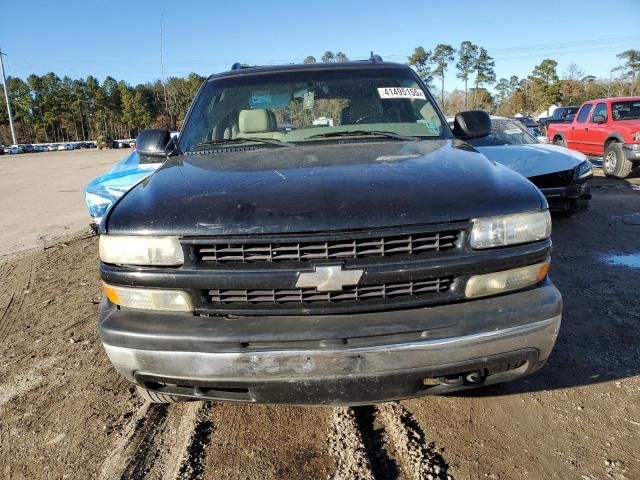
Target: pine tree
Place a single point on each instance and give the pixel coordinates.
(442, 55)
(466, 64)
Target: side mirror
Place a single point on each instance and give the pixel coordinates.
(152, 142)
(472, 124)
(599, 119)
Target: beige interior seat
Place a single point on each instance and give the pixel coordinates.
(253, 121)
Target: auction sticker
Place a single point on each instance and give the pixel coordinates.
(401, 92)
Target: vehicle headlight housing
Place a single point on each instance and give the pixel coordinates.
(584, 170)
(148, 298)
(141, 250)
(506, 280)
(490, 232)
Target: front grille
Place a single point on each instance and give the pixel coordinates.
(364, 293)
(301, 251)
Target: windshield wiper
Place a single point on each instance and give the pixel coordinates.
(269, 141)
(355, 133)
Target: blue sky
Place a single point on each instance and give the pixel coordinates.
(80, 38)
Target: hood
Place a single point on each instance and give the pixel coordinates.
(103, 191)
(317, 188)
(534, 160)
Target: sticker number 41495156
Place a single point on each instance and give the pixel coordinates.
(401, 92)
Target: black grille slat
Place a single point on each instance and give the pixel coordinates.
(304, 251)
(299, 296)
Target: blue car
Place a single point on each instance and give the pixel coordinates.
(104, 191)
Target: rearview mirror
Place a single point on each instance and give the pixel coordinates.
(472, 124)
(152, 142)
(598, 119)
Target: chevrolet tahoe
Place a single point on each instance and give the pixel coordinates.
(371, 256)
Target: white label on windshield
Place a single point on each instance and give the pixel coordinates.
(308, 100)
(513, 131)
(401, 92)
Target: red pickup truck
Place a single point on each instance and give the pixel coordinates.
(607, 127)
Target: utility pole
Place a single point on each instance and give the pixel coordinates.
(164, 84)
(6, 97)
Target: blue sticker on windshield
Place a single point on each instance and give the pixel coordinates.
(260, 99)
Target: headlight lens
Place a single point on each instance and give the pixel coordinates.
(149, 298)
(504, 230)
(500, 282)
(141, 250)
(584, 170)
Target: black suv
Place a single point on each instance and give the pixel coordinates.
(362, 254)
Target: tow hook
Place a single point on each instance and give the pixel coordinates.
(469, 378)
(474, 377)
(451, 380)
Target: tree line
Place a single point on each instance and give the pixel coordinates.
(48, 108)
(534, 93)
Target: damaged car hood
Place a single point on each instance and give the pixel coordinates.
(320, 187)
(534, 160)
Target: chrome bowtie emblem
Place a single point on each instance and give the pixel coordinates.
(329, 278)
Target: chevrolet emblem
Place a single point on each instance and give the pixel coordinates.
(328, 278)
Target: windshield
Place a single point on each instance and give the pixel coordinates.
(310, 105)
(504, 132)
(626, 110)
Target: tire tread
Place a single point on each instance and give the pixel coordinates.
(155, 397)
(623, 165)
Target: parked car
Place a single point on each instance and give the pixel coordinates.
(530, 124)
(27, 148)
(1, 149)
(105, 190)
(377, 258)
(52, 147)
(39, 148)
(608, 127)
(561, 174)
(105, 140)
(13, 149)
(559, 115)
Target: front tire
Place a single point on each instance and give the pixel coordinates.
(155, 397)
(615, 164)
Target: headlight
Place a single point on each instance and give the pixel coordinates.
(527, 227)
(141, 250)
(583, 170)
(500, 282)
(149, 298)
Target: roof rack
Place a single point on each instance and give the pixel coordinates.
(375, 58)
(238, 66)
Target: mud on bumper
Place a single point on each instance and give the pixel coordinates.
(431, 350)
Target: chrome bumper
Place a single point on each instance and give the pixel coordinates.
(286, 366)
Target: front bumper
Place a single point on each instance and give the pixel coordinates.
(632, 151)
(336, 359)
(571, 197)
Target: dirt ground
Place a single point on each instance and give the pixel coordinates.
(32, 182)
(65, 413)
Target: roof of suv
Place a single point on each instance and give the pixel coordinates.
(613, 99)
(294, 67)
